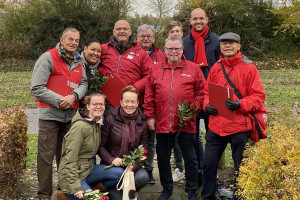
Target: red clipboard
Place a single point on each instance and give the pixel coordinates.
(112, 89)
(217, 96)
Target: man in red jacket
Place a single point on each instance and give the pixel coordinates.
(124, 56)
(222, 131)
(171, 81)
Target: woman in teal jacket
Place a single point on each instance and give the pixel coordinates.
(77, 172)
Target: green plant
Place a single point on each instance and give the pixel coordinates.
(271, 167)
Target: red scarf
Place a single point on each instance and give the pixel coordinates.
(200, 55)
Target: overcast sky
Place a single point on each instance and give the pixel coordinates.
(139, 7)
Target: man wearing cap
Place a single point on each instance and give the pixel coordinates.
(222, 131)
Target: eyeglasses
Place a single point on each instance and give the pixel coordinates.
(124, 29)
(98, 104)
(173, 49)
(146, 36)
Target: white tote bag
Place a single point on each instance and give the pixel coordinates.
(128, 185)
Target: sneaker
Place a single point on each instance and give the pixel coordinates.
(177, 175)
(192, 196)
(151, 179)
(165, 195)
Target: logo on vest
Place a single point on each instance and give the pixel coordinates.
(136, 54)
(72, 85)
(187, 75)
(200, 64)
(130, 57)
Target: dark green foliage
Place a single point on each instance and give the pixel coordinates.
(37, 25)
(251, 19)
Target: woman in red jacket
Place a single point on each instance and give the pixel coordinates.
(123, 131)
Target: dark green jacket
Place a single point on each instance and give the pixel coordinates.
(79, 147)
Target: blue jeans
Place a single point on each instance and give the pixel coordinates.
(108, 177)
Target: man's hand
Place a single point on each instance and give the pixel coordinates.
(210, 110)
(151, 124)
(233, 105)
(117, 162)
(79, 194)
(67, 102)
(187, 118)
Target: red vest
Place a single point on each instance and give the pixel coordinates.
(61, 81)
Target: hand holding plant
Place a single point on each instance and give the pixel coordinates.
(139, 155)
(186, 110)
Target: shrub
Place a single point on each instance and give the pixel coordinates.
(278, 64)
(13, 140)
(270, 169)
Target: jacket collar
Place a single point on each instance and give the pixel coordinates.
(231, 61)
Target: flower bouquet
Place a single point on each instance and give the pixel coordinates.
(95, 195)
(139, 155)
(98, 79)
(185, 108)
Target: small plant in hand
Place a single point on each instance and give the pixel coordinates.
(98, 79)
(185, 108)
(139, 155)
(95, 195)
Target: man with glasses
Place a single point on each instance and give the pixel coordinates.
(171, 81)
(222, 131)
(146, 38)
(124, 56)
(202, 47)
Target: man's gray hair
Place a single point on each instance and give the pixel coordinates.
(174, 38)
(146, 27)
(74, 30)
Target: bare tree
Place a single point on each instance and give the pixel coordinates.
(160, 7)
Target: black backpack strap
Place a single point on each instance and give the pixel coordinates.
(236, 91)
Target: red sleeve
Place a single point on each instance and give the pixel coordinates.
(255, 97)
(200, 82)
(149, 104)
(145, 68)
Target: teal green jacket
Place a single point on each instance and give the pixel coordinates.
(79, 147)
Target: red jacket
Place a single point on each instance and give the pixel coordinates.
(245, 77)
(61, 80)
(167, 86)
(132, 66)
(157, 56)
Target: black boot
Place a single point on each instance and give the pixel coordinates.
(151, 179)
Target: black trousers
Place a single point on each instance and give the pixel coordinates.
(187, 143)
(214, 148)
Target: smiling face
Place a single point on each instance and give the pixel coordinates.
(146, 38)
(129, 102)
(122, 31)
(92, 53)
(229, 48)
(70, 41)
(174, 51)
(96, 106)
(198, 19)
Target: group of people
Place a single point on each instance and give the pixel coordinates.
(75, 127)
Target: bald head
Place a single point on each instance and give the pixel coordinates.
(198, 19)
(122, 31)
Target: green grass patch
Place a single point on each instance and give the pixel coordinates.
(31, 151)
(281, 86)
(15, 89)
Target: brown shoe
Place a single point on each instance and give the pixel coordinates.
(100, 187)
(60, 195)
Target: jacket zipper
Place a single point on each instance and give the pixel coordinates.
(119, 63)
(171, 100)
